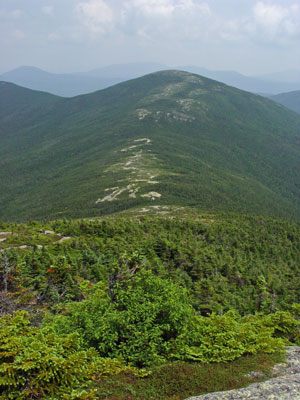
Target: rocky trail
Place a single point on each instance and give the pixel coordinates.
(5, 235)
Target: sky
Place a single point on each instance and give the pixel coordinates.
(249, 36)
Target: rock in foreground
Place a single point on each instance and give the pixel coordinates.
(284, 387)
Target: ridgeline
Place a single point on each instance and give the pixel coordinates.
(168, 138)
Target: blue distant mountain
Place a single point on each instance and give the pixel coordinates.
(290, 100)
(68, 85)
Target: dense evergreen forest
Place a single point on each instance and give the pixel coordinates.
(84, 302)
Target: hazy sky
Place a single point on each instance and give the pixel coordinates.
(251, 36)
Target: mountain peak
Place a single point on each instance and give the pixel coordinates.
(168, 138)
(28, 68)
(25, 72)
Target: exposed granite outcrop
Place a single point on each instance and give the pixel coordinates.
(283, 387)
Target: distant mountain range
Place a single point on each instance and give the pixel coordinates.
(69, 85)
(290, 100)
(251, 84)
(66, 85)
(168, 138)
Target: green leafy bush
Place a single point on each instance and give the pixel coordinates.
(151, 321)
(38, 364)
(225, 338)
(141, 324)
(284, 325)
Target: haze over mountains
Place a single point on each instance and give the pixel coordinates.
(66, 85)
(253, 84)
(126, 71)
(283, 76)
(69, 85)
(166, 138)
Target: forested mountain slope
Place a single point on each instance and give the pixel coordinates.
(167, 138)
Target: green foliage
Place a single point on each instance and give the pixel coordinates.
(144, 291)
(224, 338)
(37, 363)
(141, 325)
(249, 264)
(284, 324)
(151, 321)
